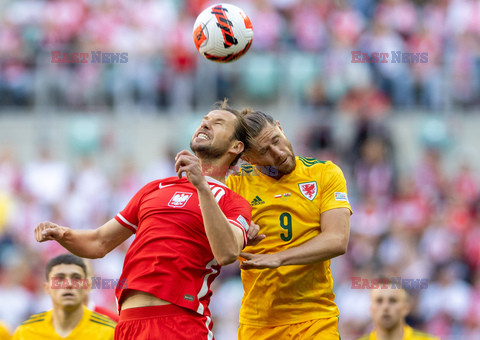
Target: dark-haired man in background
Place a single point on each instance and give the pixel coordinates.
(67, 285)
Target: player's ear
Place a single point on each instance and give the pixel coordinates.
(279, 126)
(237, 147)
(47, 285)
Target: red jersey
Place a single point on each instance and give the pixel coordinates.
(171, 257)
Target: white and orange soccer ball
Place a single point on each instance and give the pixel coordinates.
(222, 33)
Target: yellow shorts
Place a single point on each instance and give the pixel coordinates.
(324, 329)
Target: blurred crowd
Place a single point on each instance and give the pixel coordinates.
(422, 226)
(302, 50)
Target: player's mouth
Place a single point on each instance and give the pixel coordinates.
(203, 136)
(68, 295)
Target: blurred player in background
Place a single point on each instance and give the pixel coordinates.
(301, 206)
(389, 307)
(69, 319)
(185, 230)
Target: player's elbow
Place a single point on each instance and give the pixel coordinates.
(224, 262)
(227, 259)
(341, 245)
(338, 245)
(228, 256)
(101, 248)
(93, 252)
(99, 254)
(341, 250)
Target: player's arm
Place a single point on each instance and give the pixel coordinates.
(91, 244)
(331, 242)
(225, 239)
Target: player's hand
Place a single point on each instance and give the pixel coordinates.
(188, 163)
(252, 234)
(47, 231)
(259, 261)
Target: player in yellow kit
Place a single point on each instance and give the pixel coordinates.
(301, 205)
(389, 308)
(69, 319)
(4, 333)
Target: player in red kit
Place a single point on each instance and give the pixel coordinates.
(185, 228)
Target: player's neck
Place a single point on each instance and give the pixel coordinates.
(393, 334)
(216, 170)
(64, 320)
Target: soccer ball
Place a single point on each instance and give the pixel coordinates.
(222, 33)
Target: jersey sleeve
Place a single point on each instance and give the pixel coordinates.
(238, 212)
(128, 217)
(334, 189)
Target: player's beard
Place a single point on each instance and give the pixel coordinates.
(209, 151)
(290, 163)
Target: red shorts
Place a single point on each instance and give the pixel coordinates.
(168, 322)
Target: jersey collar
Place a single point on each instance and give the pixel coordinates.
(213, 180)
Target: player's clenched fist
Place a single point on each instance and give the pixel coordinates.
(46, 231)
(188, 163)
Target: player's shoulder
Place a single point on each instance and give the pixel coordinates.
(234, 197)
(34, 319)
(245, 170)
(419, 335)
(310, 165)
(160, 183)
(101, 321)
(245, 173)
(309, 162)
(106, 312)
(33, 324)
(164, 181)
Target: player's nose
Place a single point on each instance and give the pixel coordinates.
(277, 153)
(206, 124)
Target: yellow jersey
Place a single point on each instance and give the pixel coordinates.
(409, 333)
(40, 327)
(4, 333)
(288, 212)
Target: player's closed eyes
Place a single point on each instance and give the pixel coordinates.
(263, 152)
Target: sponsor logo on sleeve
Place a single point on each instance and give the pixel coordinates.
(243, 222)
(341, 196)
